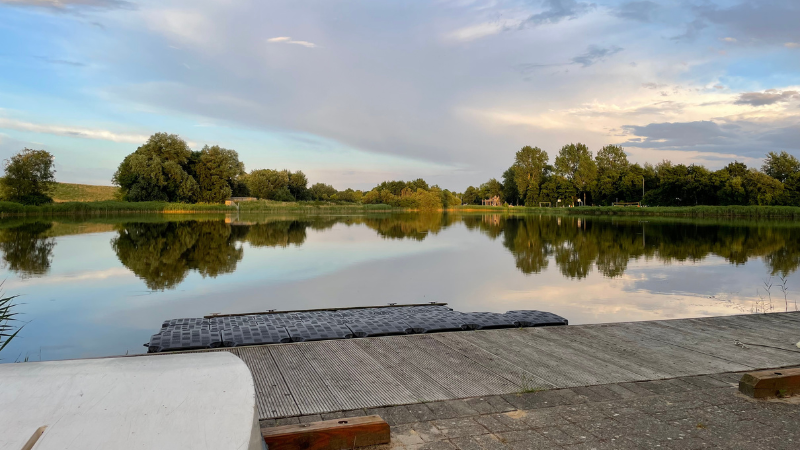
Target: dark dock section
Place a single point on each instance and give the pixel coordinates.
(336, 375)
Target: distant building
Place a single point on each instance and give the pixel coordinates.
(233, 200)
(494, 201)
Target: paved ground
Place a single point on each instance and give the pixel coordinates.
(681, 413)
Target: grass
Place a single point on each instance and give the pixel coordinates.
(692, 211)
(7, 332)
(105, 207)
(69, 192)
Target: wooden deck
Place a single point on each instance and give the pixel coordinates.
(327, 376)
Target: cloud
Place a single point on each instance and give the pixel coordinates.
(86, 133)
(677, 134)
(761, 21)
(476, 31)
(693, 29)
(66, 5)
(61, 62)
(792, 45)
(641, 11)
(728, 39)
(769, 97)
(595, 54)
(557, 10)
(288, 40)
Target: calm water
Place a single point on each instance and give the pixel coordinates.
(103, 286)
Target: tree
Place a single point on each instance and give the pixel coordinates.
(321, 192)
(574, 162)
(530, 167)
(298, 186)
(780, 166)
(491, 188)
(612, 163)
(29, 177)
(471, 196)
(217, 171)
(761, 188)
(269, 184)
(510, 190)
(158, 171)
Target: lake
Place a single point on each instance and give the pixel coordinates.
(101, 286)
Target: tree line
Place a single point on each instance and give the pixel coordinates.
(577, 177)
(165, 169)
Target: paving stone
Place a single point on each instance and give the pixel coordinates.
(460, 407)
(397, 415)
(621, 391)
(527, 437)
(421, 412)
(287, 421)
(435, 445)
(462, 427)
(567, 434)
(637, 388)
(466, 443)
(443, 410)
(540, 418)
(606, 393)
(729, 377)
(705, 382)
(266, 423)
(427, 431)
(491, 423)
(490, 442)
(489, 405)
(661, 387)
(589, 394)
(333, 415)
(406, 435)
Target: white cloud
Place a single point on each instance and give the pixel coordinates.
(792, 44)
(728, 39)
(475, 31)
(61, 130)
(288, 40)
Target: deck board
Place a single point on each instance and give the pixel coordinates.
(328, 376)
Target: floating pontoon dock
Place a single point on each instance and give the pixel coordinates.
(328, 376)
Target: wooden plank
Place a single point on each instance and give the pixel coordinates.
(519, 352)
(629, 357)
(337, 434)
(753, 331)
(685, 361)
(771, 383)
(450, 369)
(593, 351)
(308, 388)
(404, 371)
(518, 375)
(705, 338)
(354, 378)
(273, 397)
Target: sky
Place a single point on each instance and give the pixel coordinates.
(360, 91)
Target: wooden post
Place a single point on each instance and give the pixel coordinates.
(337, 434)
(771, 383)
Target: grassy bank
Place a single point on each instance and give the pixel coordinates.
(69, 192)
(692, 211)
(107, 207)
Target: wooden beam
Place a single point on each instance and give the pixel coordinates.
(337, 434)
(771, 383)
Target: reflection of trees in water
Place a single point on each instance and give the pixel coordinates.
(578, 244)
(163, 253)
(26, 249)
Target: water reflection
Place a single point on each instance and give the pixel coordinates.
(162, 251)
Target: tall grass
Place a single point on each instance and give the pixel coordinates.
(7, 319)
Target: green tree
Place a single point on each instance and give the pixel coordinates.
(321, 192)
(510, 190)
(780, 166)
(29, 178)
(269, 184)
(298, 186)
(217, 172)
(530, 168)
(471, 196)
(761, 188)
(158, 171)
(612, 163)
(574, 162)
(491, 188)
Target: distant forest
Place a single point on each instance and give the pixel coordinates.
(165, 169)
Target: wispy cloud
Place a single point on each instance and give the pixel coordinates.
(557, 10)
(593, 55)
(792, 45)
(768, 97)
(61, 130)
(288, 40)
